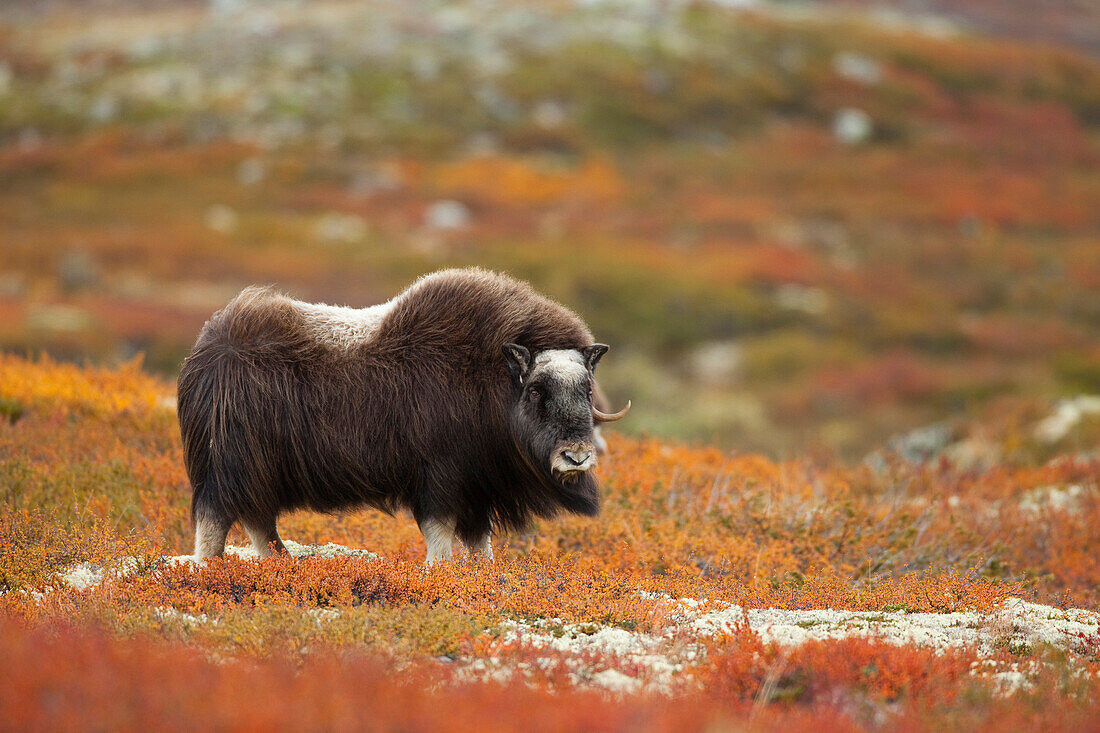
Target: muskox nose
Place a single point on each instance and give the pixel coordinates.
(577, 458)
(574, 459)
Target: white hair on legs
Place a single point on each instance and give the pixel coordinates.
(484, 545)
(439, 534)
(263, 534)
(210, 534)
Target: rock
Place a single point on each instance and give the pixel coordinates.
(716, 363)
(336, 228)
(103, 109)
(251, 171)
(247, 552)
(922, 444)
(975, 453)
(220, 218)
(857, 67)
(77, 270)
(497, 104)
(482, 144)
(852, 126)
(616, 681)
(793, 296)
(447, 216)
(376, 180)
(549, 114)
(84, 575)
(1066, 499)
(58, 318)
(1067, 414)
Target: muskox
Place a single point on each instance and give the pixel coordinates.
(466, 400)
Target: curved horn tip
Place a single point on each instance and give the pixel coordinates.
(610, 417)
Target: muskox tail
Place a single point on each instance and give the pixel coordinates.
(191, 404)
(217, 453)
(199, 398)
(228, 384)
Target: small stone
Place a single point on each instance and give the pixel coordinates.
(447, 216)
(77, 270)
(84, 575)
(103, 109)
(716, 363)
(857, 67)
(852, 126)
(793, 296)
(220, 218)
(1065, 418)
(251, 171)
(338, 228)
(922, 444)
(549, 115)
(58, 318)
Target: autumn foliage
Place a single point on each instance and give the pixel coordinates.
(92, 474)
(679, 192)
(848, 269)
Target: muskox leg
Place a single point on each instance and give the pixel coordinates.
(440, 535)
(599, 441)
(484, 545)
(210, 533)
(264, 536)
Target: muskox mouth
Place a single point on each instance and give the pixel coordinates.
(572, 462)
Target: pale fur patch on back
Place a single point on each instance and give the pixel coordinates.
(341, 326)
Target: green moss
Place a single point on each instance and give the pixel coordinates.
(11, 409)
(1078, 373)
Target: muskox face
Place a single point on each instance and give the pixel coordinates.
(552, 418)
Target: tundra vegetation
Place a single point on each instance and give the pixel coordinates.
(803, 233)
(93, 487)
(806, 281)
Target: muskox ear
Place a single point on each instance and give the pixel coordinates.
(592, 355)
(518, 359)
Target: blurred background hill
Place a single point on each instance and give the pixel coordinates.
(800, 225)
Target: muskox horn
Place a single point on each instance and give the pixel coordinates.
(612, 417)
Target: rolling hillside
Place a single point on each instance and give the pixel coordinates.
(796, 231)
(848, 263)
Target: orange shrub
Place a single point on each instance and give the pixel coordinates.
(517, 182)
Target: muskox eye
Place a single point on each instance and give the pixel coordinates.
(535, 394)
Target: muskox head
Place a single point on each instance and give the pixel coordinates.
(552, 418)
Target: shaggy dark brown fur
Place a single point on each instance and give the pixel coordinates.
(274, 418)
